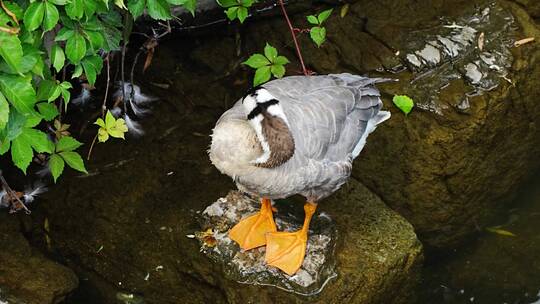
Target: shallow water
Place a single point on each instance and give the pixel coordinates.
(492, 268)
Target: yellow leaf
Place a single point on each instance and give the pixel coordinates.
(103, 135)
(344, 10)
(500, 231)
(120, 4)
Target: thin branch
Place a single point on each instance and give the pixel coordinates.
(12, 195)
(10, 30)
(103, 106)
(10, 13)
(304, 70)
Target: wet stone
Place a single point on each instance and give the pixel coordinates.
(248, 266)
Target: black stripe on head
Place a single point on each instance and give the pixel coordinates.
(253, 91)
(261, 107)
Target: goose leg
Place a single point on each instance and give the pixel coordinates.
(250, 232)
(286, 250)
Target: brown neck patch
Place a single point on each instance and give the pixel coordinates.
(279, 138)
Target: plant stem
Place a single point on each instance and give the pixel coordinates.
(12, 195)
(282, 5)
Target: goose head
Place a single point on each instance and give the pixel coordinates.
(256, 135)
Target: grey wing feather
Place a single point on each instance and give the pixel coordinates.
(330, 115)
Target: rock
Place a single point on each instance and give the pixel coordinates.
(26, 276)
(476, 120)
(130, 221)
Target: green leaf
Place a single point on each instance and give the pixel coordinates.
(92, 66)
(74, 160)
(75, 48)
(64, 34)
(11, 50)
(33, 16)
(187, 4)
(227, 3)
(318, 35)
(242, 14)
(15, 9)
(232, 12)
(159, 9)
(15, 124)
(103, 135)
(90, 7)
(19, 92)
(47, 110)
(21, 153)
(324, 15)
(277, 70)
(262, 75)
(57, 57)
(59, 2)
(4, 112)
(136, 7)
(56, 165)
(78, 71)
(404, 103)
(51, 16)
(37, 139)
(75, 9)
(256, 61)
(312, 19)
(270, 52)
(67, 143)
(281, 60)
(48, 90)
(4, 146)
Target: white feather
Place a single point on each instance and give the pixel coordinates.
(134, 127)
(256, 124)
(83, 98)
(31, 193)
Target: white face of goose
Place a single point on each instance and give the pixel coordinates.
(254, 104)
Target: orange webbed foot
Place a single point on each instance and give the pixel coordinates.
(251, 232)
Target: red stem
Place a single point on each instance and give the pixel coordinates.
(304, 70)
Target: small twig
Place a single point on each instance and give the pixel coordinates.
(304, 70)
(91, 147)
(10, 30)
(104, 105)
(12, 195)
(10, 13)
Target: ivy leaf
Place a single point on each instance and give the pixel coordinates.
(92, 66)
(324, 15)
(47, 110)
(51, 16)
(64, 34)
(242, 14)
(96, 39)
(270, 52)
(404, 103)
(57, 57)
(281, 60)
(159, 9)
(232, 12)
(4, 112)
(312, 19)
(11, 50)
(56, 165)
(75, 48)
(187, 4)
(59, 2)
(256, 61)
(74, 160)
(67, 144)
(318, 35)
(37, 139)
(136, 7)
(277, 70)
(262, 75)
(75, 9)
(120, 4)
(111, 127)
(48, 90)
(227, 3)
(21, 153)
(20, 92)
(33, 16)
